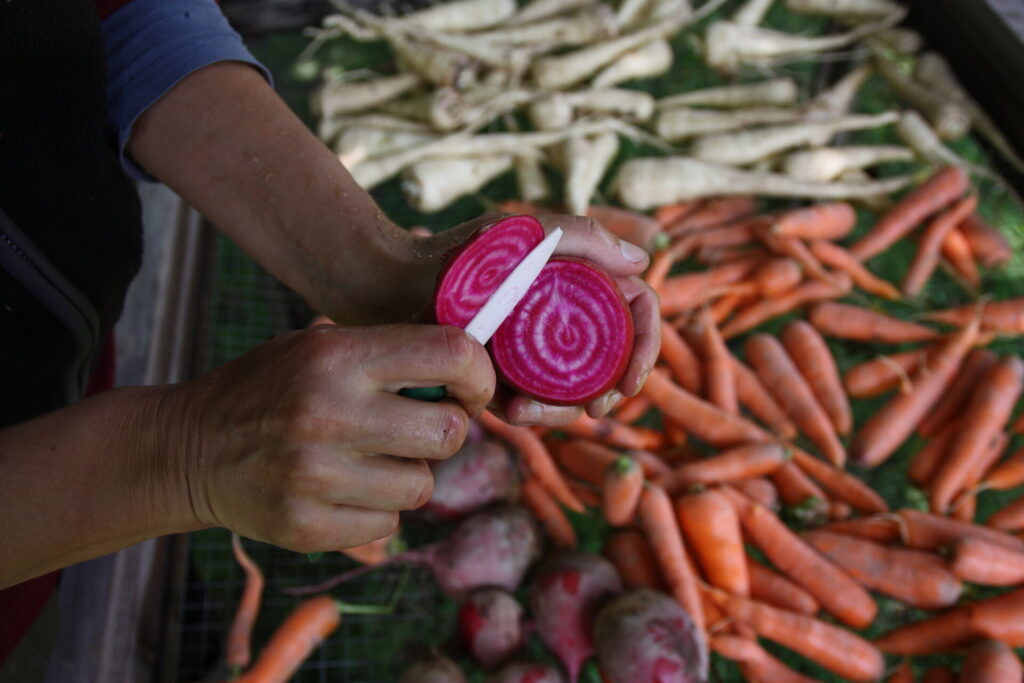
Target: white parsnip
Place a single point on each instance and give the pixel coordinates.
(415, 107)
(344, 97)
(778, 92)
(933, 71)
(919, 136)
(828, 163)
(631, 105)
(550, 112)
(561, 71)
(681, 123)
(358, 142)
(432, 184)
(588, 160)
(453, 108)
(436, 64)
(728, 46)
(657, 10)
(630, 12)
(846, 8)
(538, 10)
(459, 15)
(531, 182)
(879, 203)
(749, 146)
(329, 129)
(837, 99)
(902, 40)
(647, 61)
(947, 117)
(752, 12)
(647, 183)
(580, 28)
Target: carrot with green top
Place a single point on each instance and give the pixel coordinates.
(536, 456)
(659, 525)
(929, 247)
(888, 428)
(834, 256)
(537, 500)
(767, 309)
(836, 649)
(826, 221)
(630, 226)
(711, 529)
(944, 187)
(984, 417)
(813, 358)
(773, 588)
(778, 372)
(977, 363)
(623, 484)
(844, 321)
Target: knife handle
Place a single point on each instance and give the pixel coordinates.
(431, 394)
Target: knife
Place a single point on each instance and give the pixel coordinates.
(499, 306)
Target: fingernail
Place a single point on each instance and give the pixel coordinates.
(632, 253)
(612, 400)
(531, 412)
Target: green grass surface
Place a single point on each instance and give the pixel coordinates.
(248, 307)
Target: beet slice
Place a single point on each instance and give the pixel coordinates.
(570, 338)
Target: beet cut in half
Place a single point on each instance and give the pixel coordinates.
(570, 338)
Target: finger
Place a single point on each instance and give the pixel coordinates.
(601, 405)
(309, 527)
(376, 482)
(585, 238)
(520, 410)
(432, 355)
(408, 428)
(643, 304)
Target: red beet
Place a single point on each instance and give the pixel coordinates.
(645, 636)
(491, 626)
(493, 547)
(570, 338)
(481, 473)
(526, 673)
(436, 669)
(566, 593)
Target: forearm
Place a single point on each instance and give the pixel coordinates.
(85, 481)
(229, 146)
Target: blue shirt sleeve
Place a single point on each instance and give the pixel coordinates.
(151, 46)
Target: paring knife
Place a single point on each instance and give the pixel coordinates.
(500, 305)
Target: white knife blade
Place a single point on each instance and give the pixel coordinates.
(510, 292)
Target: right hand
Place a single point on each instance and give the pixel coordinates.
(303, 442)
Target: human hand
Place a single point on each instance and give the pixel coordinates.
(303, 442)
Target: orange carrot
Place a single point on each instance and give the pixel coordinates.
(965, 506)
(652, 464)
(303, 630)
(860, 324)
(988, 244)
(1018, 425)
(537, 500)
(929, 246)
(883, 373)
(987, 411)
(720, 255)
(943, 188)
(623, 483)
(777, 276)
(703, 420)
(794, 248)
(372, 553)
(738, 233)
(759, 489)
(838, 650)
(1009, 517)
(614, 433)
(742, 462)
(888, 428)
(670, 213)
(586, 493)
(989, 661)
(837, 593)
(238, 650)
(755, 662)
(930, 532)
(964, 509)
(675, 435)
(765, 310)
(719, 374)
(711, 529)
(681, 359)
(840, 484)
(956, 250)
(1007, 475)
(827, 221)
(662, 530)
(773, 588)
(713, 212)
(941, 633)
(833, 255)
(630, 226)
(662, 263)
(814, 360)
(583, 459)
(926, 461)
(631, 554)
(1001, 316)
(880, 528)
(631, 409)
(724, 306)
(535, 455)
(903, 674)
(759, 402)
(777, 371)
(938, 674)
(1000, 618)
(681, 292)
(975, 366)
(989, 564)
(914, 577)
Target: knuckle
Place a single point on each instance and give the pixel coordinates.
(318, 348)
(296, 528)
(451, 432)
(421, 488)
(302, 416)
(458, 347)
